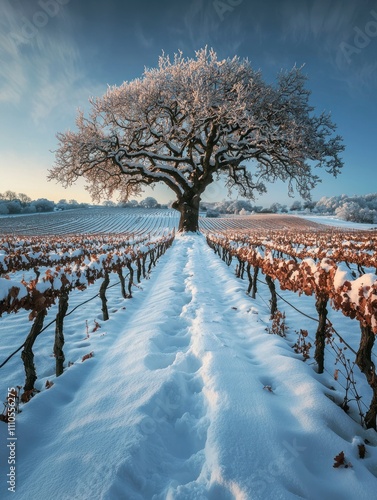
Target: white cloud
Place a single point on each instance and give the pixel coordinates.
(13, 80)
(12, 73)
(41, 73)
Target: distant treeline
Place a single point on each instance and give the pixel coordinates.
(13, 203)
(361, 208)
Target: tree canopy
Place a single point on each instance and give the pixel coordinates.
(193, 120)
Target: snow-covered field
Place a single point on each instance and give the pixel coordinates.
(187, 396)
(335, 221)
(90, 220)
(138, 220)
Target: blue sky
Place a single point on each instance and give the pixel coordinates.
(55, 54)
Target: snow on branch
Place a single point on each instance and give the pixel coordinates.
(191, 119)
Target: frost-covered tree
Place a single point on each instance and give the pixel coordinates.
(42, 205)
(149, 202)
(14, 207)
(191, 121)
(329, 205)
(275, 208)
(222, 206)
(133, 203)
(309, 205)
(362, 208)
(352, 211)
(244, 212)
(109, 203)
(3, 208)
(296, 205)
(237, 205)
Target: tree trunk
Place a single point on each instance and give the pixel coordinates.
(102, 294)
(59, 334)
(366, 365)
(320, 336)
(189, 210)
(27, 354)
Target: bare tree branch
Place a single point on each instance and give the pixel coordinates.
(190, 120)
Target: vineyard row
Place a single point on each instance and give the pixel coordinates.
(329, 281)
(54, 284)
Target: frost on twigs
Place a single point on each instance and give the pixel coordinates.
(191, 121)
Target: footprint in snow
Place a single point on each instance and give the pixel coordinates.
(158, 361)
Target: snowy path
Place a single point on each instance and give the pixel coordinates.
(175, 404)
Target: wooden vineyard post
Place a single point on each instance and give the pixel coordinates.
(27, 354)
(366, 365)
(320, 336)
(102, 294)
(59, 333)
